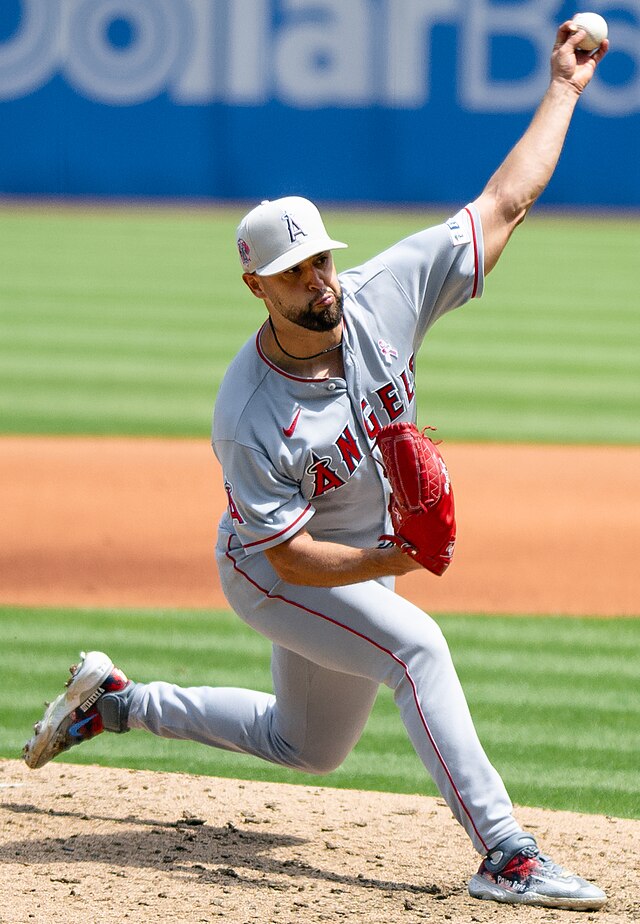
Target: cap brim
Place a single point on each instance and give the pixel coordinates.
(297, 254)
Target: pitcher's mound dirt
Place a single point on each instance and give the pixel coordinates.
(94, 845)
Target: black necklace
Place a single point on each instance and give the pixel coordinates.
(291, 356)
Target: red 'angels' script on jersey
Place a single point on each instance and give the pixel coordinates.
(288, 431)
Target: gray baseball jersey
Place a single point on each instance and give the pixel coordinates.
(297, 452)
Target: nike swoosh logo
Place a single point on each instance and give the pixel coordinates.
(288, 431)
(74, 730)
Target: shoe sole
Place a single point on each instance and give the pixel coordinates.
(44, 745)
(480, 888)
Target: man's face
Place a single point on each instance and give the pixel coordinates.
(308, 294)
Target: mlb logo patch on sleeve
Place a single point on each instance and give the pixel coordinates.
(459, 235)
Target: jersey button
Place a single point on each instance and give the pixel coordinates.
(331, 386)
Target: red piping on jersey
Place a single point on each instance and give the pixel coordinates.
(287, 375)
(282, 532)
(475, 254)
(375, 644)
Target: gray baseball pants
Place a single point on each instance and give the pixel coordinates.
(332, 648)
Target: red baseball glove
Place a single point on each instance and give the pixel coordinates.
(421, 504)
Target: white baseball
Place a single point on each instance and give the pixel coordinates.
(596, 28)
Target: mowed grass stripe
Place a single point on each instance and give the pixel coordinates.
(518, 421)
(555, 700)
(105, 315)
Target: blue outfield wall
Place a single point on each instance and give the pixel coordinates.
(383, 100)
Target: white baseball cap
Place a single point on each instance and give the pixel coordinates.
(280, 233)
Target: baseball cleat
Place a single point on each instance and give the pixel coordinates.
(74, 717)
(517, 873)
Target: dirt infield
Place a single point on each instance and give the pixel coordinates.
(132, 523)
(156, 847)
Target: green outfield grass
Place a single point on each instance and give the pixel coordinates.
(123, 322)
(555, 700)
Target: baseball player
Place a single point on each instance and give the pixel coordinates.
(298, 552)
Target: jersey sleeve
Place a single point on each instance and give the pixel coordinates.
(264, 506)
(440, 268)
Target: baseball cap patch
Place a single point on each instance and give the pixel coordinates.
(245, 252)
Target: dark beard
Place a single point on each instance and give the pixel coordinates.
(325, 320)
